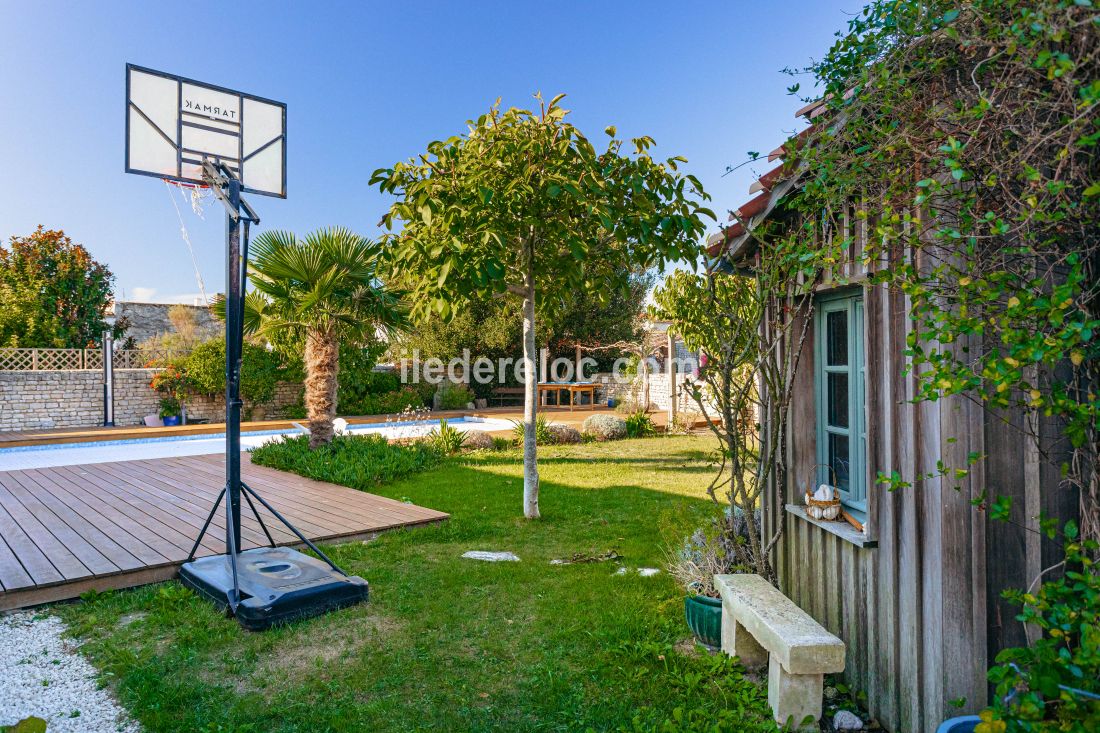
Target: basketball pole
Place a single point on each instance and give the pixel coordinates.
(234, 335)
(227, 188)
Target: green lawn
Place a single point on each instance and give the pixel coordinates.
(449, 644)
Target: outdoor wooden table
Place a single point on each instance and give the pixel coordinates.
(573, 388)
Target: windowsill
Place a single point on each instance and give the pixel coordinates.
(842, 529)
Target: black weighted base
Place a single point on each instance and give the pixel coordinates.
(277, 585)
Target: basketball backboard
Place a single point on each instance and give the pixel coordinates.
(174, 123)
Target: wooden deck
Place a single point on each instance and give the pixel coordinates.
(70, 529)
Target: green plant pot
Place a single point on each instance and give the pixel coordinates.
(704, 617)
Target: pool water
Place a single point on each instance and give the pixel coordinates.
(72, 454)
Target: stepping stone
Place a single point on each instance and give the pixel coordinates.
(490, 556)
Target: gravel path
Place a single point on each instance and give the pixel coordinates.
(44, 675)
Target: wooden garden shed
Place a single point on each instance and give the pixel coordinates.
(916, 595)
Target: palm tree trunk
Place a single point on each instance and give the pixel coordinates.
(322, 354)
(530, 403)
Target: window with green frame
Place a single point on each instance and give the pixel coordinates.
(839, 394)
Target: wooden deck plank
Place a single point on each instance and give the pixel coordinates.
(95, 538)
(33, 561)
(120, 528)
(161, 524)
(166, 468)
(12, 572)
(53, 547)
(178, 494)
(69, 529)
(59, 520)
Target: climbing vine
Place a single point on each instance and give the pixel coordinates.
(961, 138)
(964, 138)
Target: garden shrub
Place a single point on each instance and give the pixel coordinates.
(605, 427)
(564, 434)
(1032, 681)
(710, 551)
(387, 403)
(640, 425)
(479, 440)
(446, 440)
(358, 461)
(455, 397)
(543, 434)
(261, 370)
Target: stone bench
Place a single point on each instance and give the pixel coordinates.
(762, 626)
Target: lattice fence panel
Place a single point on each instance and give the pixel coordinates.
(17, 359)
(135, 358)
(60, 359)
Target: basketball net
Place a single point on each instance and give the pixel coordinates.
(195, 196)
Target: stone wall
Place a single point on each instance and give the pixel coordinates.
(35, 400)
(72, 398)
(151, 319)
(212, 408)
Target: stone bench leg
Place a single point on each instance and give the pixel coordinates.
(794, 697)
(738, 642)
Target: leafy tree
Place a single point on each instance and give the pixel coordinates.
(52, 293)
(602, 319)
(517, 205)
(320, 291)
(487, 327)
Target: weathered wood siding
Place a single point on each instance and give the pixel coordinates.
(921, 613)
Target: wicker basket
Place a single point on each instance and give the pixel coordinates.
(816, 508)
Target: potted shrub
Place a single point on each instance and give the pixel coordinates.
(171, 383)
(170, 410)
(709, 551)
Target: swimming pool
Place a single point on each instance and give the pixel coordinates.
(72, 454)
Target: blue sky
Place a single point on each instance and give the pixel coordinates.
(368, 84)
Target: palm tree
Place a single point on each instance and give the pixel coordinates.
(319, 291)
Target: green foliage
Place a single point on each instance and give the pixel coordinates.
(358, 461)
(1032, 696)
(488, 327)
(543, 434)
(640, 425)
(261, 370)
(446, 440)
(326, 282)
(359, 385)
(388, 403)
(170, 406)
(455, 397)
(523, 199)
(52, 293)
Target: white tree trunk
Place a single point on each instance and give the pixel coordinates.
(530, 405)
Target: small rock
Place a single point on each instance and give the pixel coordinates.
(490, 556)
(830, 693)
(648, 572)
(621, 571)
(847, 720)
